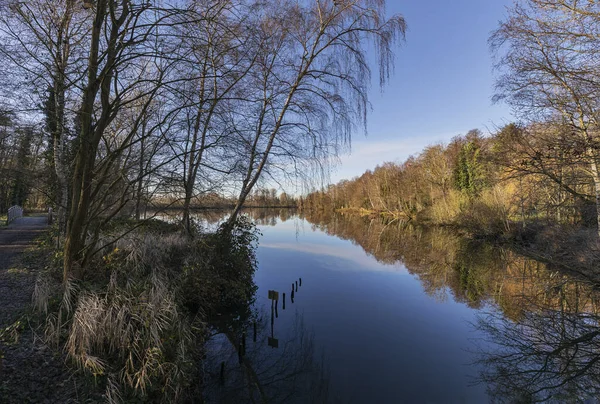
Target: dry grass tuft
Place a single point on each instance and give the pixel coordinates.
(137, 323)
(136, 326)
(129, 328)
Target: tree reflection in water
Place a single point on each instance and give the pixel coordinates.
(291, 373)
(550, 354)
(541, 331)
(542, 335)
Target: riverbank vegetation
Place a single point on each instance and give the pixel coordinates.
(139, 323)
(529, 185)
(516, 176)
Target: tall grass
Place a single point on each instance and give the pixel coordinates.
(130, 325)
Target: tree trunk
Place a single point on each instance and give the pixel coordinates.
(596, 178)
(189, 187)
(87, 146)
(59, 159)
(140, 181)
(62, 57)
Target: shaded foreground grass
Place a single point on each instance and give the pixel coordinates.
(135, 326)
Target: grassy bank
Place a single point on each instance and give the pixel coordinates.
(138, 321)
(372, 212)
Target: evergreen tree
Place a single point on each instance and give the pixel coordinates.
(469, 174)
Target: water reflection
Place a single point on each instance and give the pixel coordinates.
(276, 366)
(541, 332)
(551, 353)
(535, 332)
(260, 216)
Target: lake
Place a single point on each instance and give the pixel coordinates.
(385, 312)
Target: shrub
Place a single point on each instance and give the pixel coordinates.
(446, 210)
(486, 216)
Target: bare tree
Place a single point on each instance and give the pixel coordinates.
(215, 56)
(548, 58)
(41, 47)
(309, 86)
(125, 64)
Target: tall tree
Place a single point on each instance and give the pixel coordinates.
(549, 62)
(309, 87)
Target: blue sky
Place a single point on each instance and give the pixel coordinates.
(442, 85)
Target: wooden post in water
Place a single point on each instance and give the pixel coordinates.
(272, 321)
(284, 301)
(296, 286)
(300, 281)
(273, 295)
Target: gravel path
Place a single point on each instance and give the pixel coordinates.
(29, 371)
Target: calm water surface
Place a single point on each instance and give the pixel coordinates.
(387, 313)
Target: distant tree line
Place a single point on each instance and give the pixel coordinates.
(259, 197)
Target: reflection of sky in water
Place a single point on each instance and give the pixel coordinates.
(385, 340)
(334, 257)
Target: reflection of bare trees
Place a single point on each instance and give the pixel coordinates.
(291, 373)
(269, 216)
(549, 355)
(260, 216)
(552, 351)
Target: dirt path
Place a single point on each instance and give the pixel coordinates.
(29, 371)
(16, 286)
